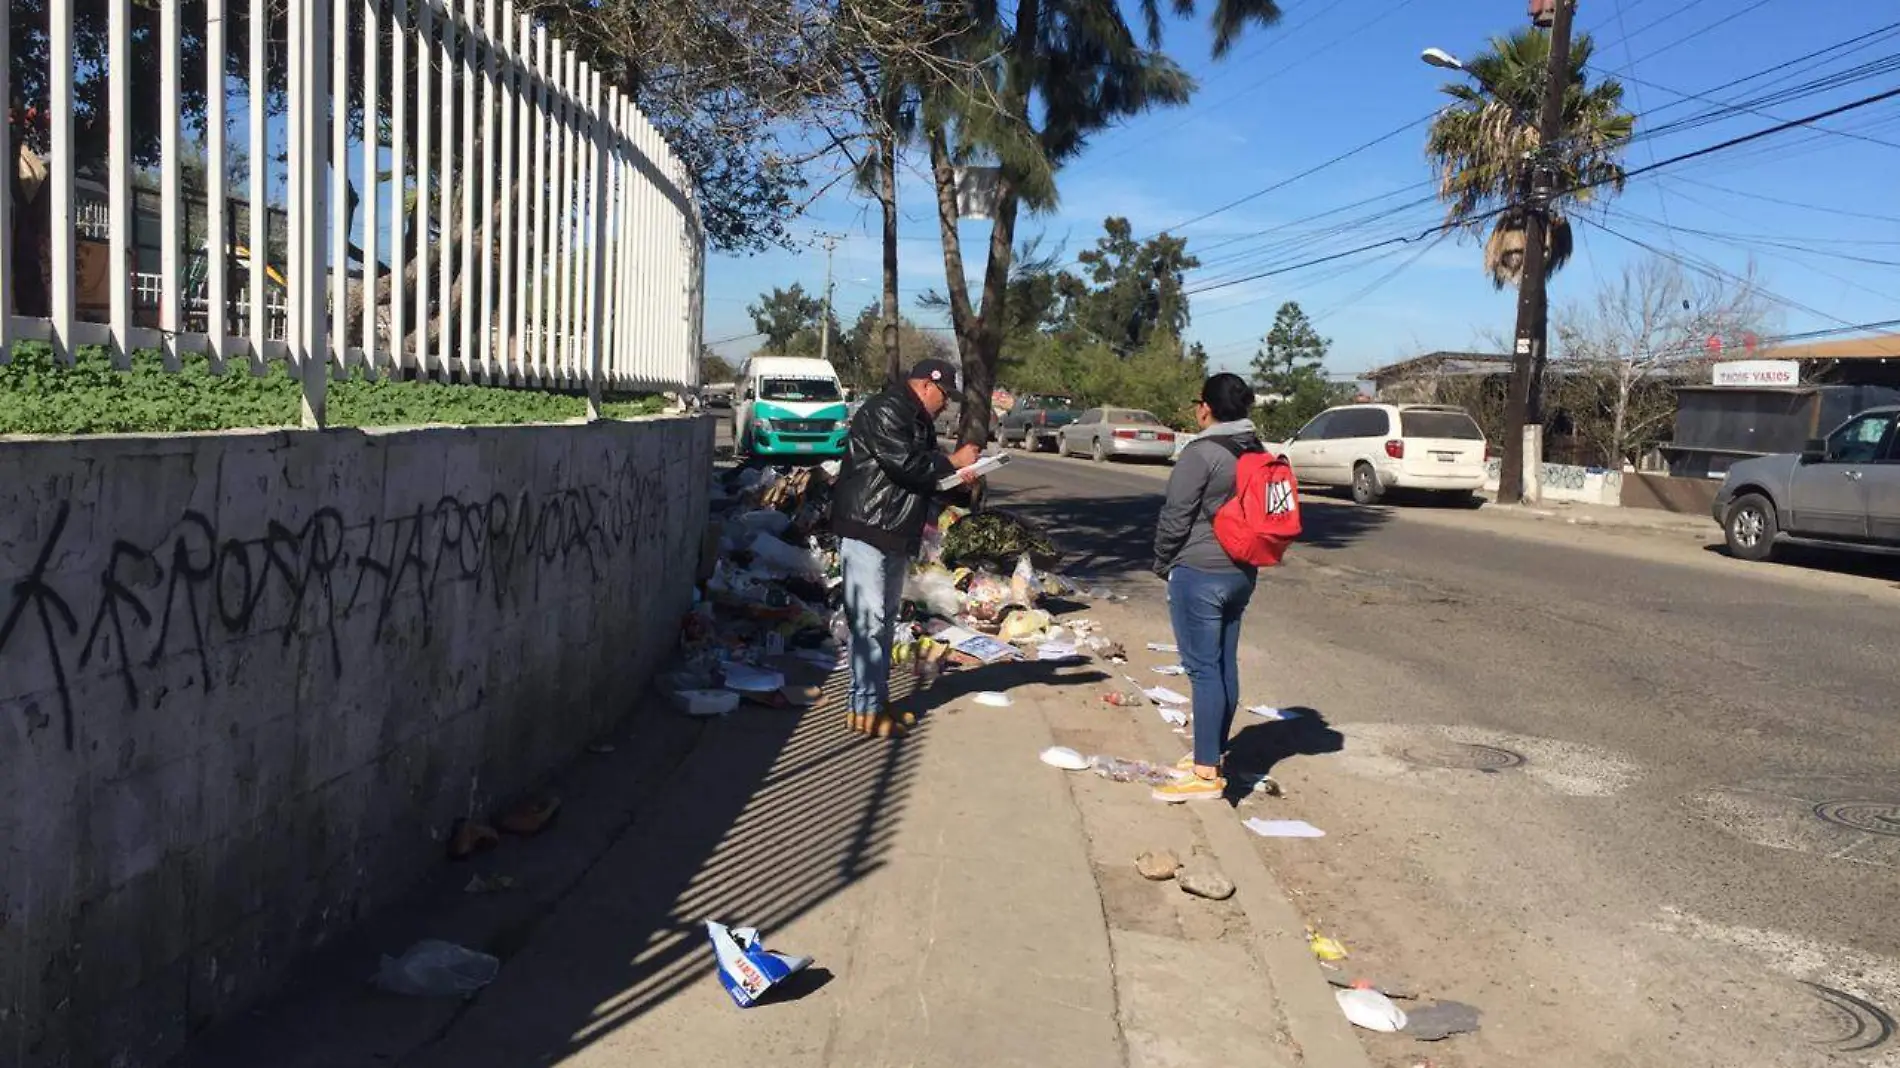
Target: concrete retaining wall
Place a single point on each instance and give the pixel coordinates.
(1567, 482)
(247, 682)
(1685, 496)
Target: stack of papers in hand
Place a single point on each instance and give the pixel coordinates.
(980, 468)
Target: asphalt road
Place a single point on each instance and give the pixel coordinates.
(1637, 801)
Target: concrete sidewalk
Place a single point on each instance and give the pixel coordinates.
(1647, 519)
(965, 905)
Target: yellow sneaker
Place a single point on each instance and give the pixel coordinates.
(1191, 788)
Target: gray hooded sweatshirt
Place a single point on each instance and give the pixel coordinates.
(1202, 481)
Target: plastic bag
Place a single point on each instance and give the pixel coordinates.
(1022, 626)
(1024, 590)
(936, 590)
(433, 969)
(1371, 1010)
(765, 521)
(987, 595)
(772, 555)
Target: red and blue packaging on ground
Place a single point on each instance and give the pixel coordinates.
(746, 968)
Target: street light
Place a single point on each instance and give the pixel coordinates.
(1522, 411)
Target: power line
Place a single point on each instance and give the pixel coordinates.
(1309, 172)
(1684, 157)
(1733, 142)
(1713, 271)
(1765, 198)
(1686, 38)
(1643, 134)
(1754, 111)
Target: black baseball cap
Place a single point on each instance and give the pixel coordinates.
(938, 371)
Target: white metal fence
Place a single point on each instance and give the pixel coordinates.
(464, 198)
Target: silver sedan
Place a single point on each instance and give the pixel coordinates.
(1104, 434)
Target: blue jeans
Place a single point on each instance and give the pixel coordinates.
(873, 595)
(1206, 608)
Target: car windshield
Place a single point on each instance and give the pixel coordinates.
(1135, 418)
(799, 389)
(1456, 426)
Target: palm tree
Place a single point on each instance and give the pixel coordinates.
(1483, 147)
(1060, 71)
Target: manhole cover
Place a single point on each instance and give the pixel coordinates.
(1461, 756)
(1872, 817)
(1855, 1024)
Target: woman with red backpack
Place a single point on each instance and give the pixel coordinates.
(1231, 508)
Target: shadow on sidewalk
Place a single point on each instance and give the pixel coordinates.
(1260, 747)
(756, 819)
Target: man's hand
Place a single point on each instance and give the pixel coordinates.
(966, 456)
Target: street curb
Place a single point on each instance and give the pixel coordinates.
(1320, 1031)
(1687, 527)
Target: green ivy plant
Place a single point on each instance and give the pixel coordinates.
(40, 396)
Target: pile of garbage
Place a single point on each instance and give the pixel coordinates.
(770, 599)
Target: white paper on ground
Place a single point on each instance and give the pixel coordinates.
(1057, 651)
(953, 635)
(1284, 828)
(993, 699)
(748, 679)
(1269, 712)
(1161, 695)
(986, 649)
(1163, 647)
(1065, 758)
(1173, 715)
(1170, 669)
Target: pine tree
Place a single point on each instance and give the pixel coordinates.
(1293, 355)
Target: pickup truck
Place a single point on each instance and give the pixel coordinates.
(1035, 420)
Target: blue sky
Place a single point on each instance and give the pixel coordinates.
(1335, 75)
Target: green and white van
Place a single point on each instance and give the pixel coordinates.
(789, 407)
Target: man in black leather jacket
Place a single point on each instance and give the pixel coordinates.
(878, 510)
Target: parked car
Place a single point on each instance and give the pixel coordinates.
(1375, 448)
(1103, 434)
(1036, 421)
(1842, 490)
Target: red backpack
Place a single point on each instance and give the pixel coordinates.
(1262, 518)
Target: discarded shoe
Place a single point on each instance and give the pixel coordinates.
(469, 838)
(530, 818)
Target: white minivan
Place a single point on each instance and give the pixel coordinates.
(1374, 448)
(789, 407)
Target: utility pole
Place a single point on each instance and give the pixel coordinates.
(1523, 412)
(824, 329)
